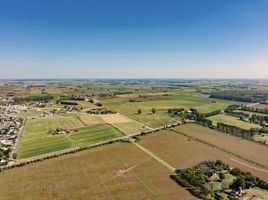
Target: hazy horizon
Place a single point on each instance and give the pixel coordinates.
(126, 39)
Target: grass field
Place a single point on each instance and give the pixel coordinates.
(117, 171)
(182, 152)
(161, 104)
(234, 121)
(30, 113)
(93, 134)
(37, 141)
(244, 148)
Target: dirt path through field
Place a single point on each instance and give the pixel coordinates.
(172, 169)
(144, 125)
(245, 164)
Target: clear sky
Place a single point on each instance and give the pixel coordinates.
(133, 39)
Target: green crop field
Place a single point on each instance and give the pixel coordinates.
(161, 104)
(230, 120)
(37, 141)
(93, 134)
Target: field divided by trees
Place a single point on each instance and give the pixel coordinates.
(182, 152)
(247, 149)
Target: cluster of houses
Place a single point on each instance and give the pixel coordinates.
(10, 110)
(9, 130)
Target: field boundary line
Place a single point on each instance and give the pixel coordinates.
(148, 127)
(222, 149)
(155, 157)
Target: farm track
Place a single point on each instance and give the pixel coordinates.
(265, 168)
(128, 137)
(164, 163)
(152, 155)
(144, 125)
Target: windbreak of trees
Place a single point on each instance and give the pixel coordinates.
(236, 131)
(43, 98)
(241, 95)
(230, 111)
(246, 180)
(216, 112)
(200, 118)
(252, 109)
(259, 119)
(175, 111)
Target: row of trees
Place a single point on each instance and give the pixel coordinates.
(241, 95)
(253, 109)
(42, 98)
(236, 131)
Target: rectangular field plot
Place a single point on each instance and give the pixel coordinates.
(123, 123)
(247, 149)
(230, 120)
(117, 171)
(181, 152)
(93, 134)
(36, 139)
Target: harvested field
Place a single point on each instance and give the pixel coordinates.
(239, 146)
(115, 118)
(123, 123)
(117, 171)
(91, 119)
(182, 152)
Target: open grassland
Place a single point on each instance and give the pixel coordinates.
(230, 120)
(116, 171)
(37, 141)
(182, 152)
(247, 149)
(53, 91)
(161, 104)
(29, 113)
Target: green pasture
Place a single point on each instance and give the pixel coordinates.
(37, 141)
(234, 121)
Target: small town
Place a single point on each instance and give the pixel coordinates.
(10, 130)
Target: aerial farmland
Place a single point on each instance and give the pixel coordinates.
(132, 137)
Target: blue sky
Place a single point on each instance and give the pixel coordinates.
(134, 39)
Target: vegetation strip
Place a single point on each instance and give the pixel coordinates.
(221, 149)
